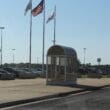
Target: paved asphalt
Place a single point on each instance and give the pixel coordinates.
(96, 100)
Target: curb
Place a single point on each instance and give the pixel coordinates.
(24, 101)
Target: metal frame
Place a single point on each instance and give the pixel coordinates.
(57, 74)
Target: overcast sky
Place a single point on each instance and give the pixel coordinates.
(80, 24)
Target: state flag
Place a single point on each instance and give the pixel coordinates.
(28, 7)
(51, 17)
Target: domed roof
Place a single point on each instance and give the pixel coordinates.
(61, 50)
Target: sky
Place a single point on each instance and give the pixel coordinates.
(79, 24)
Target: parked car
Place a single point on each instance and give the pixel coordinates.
(36, 72)
(5, 75)
(12, 70)
(26, 74)
(39, 71)
(32, 72)
(21, 73)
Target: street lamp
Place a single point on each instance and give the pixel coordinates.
(1, 44)
(84, 55)
(37, 60)
(13, 55)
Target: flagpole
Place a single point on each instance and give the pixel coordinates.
(30, 45)
(43, 48)
(54, 26)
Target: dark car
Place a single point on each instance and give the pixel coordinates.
(5, 75)
(13, 70)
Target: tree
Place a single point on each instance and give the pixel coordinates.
(99, 61)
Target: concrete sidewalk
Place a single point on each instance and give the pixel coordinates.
(15, 90)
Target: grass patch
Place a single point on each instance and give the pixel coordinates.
(84, 76)
(104, 76)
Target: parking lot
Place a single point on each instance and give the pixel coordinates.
(12, 90)
(20, 73)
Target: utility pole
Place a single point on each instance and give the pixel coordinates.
(84, 55)
(1, 43)
(13, 55)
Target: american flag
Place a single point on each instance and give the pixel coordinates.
(38, 9)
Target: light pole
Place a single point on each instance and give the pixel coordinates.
(1, 44)
(84, 55)
(13, 55)
(37, 60)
